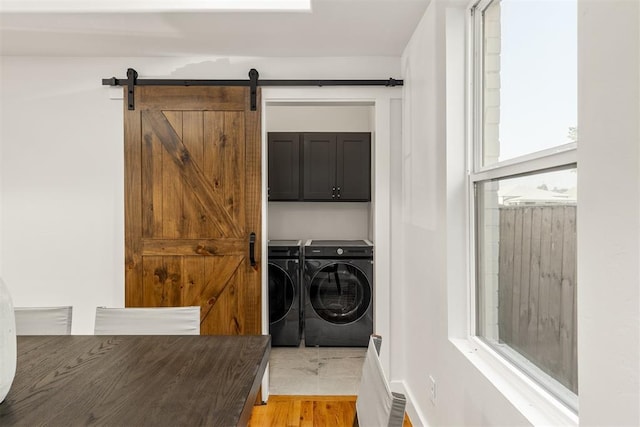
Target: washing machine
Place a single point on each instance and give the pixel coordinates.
(338, 292)
(285, 297)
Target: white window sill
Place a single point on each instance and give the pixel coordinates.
(533, 402)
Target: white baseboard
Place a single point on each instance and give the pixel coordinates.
(415, 415)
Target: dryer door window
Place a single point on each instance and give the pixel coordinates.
(281, 293)
(340, 293)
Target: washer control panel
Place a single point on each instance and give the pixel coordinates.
(338, 249)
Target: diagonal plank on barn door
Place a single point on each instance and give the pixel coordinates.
(168, 201)
(183, 215)
(195, 219)
(209, 282)
(158, 124)
(226, 314)
(172, 205)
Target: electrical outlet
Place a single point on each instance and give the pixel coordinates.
(432, 389)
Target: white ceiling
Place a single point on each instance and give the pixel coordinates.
(332, 28)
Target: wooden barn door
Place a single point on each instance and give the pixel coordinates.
(192, 200)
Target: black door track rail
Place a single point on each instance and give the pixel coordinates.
(132, 80)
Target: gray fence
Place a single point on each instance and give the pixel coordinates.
(537, 287)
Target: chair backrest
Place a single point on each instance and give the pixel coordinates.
(376, 404)
(43, 320)
(148, 321)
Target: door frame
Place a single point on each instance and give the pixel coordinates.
(387, 127)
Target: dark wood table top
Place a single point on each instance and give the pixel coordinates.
(135, 380)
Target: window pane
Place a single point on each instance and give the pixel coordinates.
(529, 77)
(526, 303)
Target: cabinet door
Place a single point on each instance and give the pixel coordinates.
(319, 166)
(284, 166)
(354, 166)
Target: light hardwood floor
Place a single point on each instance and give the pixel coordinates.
(307, 411)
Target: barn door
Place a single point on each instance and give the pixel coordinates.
(192, 202)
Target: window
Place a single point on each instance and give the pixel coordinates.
(523, 177)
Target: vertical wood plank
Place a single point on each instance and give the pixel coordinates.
(555, 291)
(525, 282)
(233, 183)
(172, 186)
(295, 409)
(568, 330)
(306, 413)
(214, 144)
(280, 413)
(544, 321)
(333, 413)
(193, 280)
(151, 181)
(516, 282)
(240, 317)
(213, 166)
(505, 274)
(195, 224)
(133, 207)
(193, 135)
(534, 282)
(162, 280)
(502, 274)
(253, 222)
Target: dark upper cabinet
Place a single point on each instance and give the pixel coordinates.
(337, 166)
(284, 166)
(333, 166)
(353, 171)
(319, 166)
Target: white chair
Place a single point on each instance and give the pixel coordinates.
(43, 320)
(376, 404)
(148, 321)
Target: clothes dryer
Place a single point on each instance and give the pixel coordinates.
(338, 283)
(285, 314)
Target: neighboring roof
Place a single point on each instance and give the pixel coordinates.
(527, 195)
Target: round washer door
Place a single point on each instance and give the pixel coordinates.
(340, 293)
(281, 293)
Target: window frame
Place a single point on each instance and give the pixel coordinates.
(559, 157)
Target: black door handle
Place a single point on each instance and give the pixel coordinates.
(252, 249)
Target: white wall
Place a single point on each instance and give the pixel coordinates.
(431, 233)
(62, 185)
(609, 212)
(61, 174)
(309, 220)
(314, 117)
(463, 395)
(328, 221)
